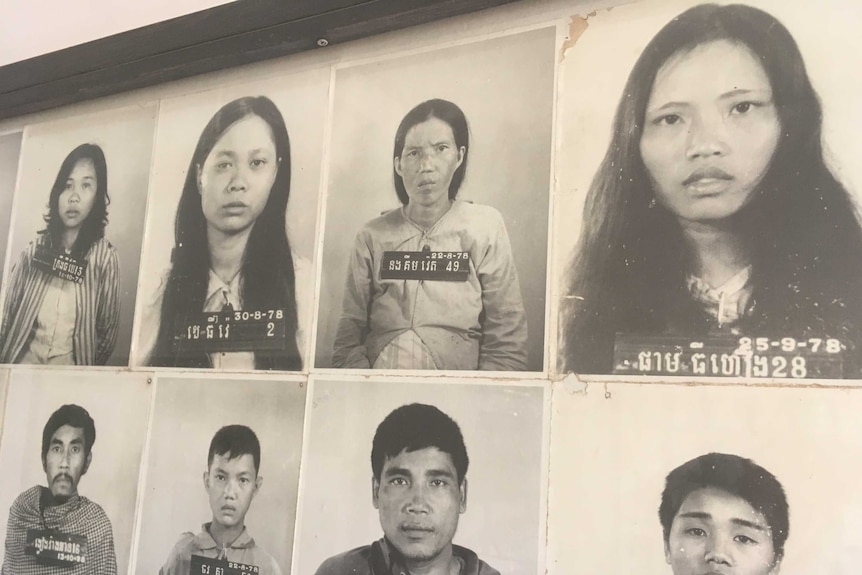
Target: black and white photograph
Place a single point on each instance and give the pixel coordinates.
(222, 476)
(10, 149)
(71, 453)
(435, 239)
(708, 193)
(74, 249)
(687, 480)
(228, 280)
(400, 476)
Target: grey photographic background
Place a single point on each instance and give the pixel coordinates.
(613, 446)
(503, 431)
(505, 86)
(302, 100)
(119, 404)
(10, 148)
(126, 137)
(187, 412)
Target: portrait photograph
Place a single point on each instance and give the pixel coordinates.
(10, 148)
(74, 250)
(222, 475)
(228, 278)
(682, 480)
(707, 208)
(410, 475)
(71, 450)
(436, 209)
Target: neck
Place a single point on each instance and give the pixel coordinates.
(443, 564)
(48, 499)
(427, 216)
(717, 251)
(226, 252)
(68, 238)
(225, 536)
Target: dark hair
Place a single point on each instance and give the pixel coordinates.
(267, 263)
(93, 228)
(414, 427)
(442, 110)
(800, 228)
(735, 475)
(73, 416)
(234, 441)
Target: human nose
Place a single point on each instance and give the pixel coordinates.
(74, 194)
(238, 181)
(718, 551)
(417, 502)
(65, 459)
(426, 162)
(706, 137)
(230, 490)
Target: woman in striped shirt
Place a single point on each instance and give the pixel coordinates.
(62, 306)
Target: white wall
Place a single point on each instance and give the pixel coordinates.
(30, 29)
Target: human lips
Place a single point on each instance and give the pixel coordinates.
(416, 530)
(234, 207)
(707, 181)
(62, 477)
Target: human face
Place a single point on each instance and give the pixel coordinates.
(428, 162)
(718, 533)
(237, 176)
(710, 132)
(77, 198)
(419, 500)
(231, 485)
(66, 461)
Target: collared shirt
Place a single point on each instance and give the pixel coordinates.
(96, 303)
(243, 550)
(54, 328)
(727, 303)
(78, 516)
(220, 295)
(380, 558)
(479, 323)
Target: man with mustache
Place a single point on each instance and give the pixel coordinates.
(419, 488)
(231, 481)
(53, 529)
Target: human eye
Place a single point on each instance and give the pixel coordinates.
(667, 120)
(438, 483)
(68, 186)
(258, 162)
(745, 540)
(442, 147)
(412, 153)
(76, 449)
(695, 532)
(223, 165)
(55, 448)
(398, 482)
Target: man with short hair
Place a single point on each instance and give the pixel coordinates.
(53, 530)
(419, 487)
(231, 481)
(722, 513)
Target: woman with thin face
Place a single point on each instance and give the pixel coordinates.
(713, 211)
(469, 320)
(231, 249)
(66, 318)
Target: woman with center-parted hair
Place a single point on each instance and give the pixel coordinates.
(231, 250)
(432, 285)
(62, 304)
(714, 212)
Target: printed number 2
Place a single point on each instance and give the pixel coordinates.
(270, 329)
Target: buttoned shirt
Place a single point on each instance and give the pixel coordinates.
(242, 550)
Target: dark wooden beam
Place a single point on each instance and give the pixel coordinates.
(222, 37)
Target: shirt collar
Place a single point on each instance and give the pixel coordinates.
(204, 540)
(216, 285)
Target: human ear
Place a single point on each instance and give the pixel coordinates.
(462, 151)
(396, 162)
(375, 487)
(198, 177)
(667, 552)
(87, 463)
(257, 483)
(206, 478)
(463, 490)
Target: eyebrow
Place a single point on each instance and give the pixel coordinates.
(734, 520)
(75, 441)
(397, 471)
(440, 473)
(724, 96)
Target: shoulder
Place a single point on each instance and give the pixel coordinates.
(93, 509)
(478, 215)
(386, 221)
(183, 547)
(353, 562)
(27, 497)
(103, 248)
(472, 563)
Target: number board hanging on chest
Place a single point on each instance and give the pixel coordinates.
(209, 566)
(426, 265)
(59, 265)
(57, 549)
(232, 331)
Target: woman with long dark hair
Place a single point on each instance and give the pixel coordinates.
(231, 250)
(62, 305)
(463, 308)
(714, 211)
